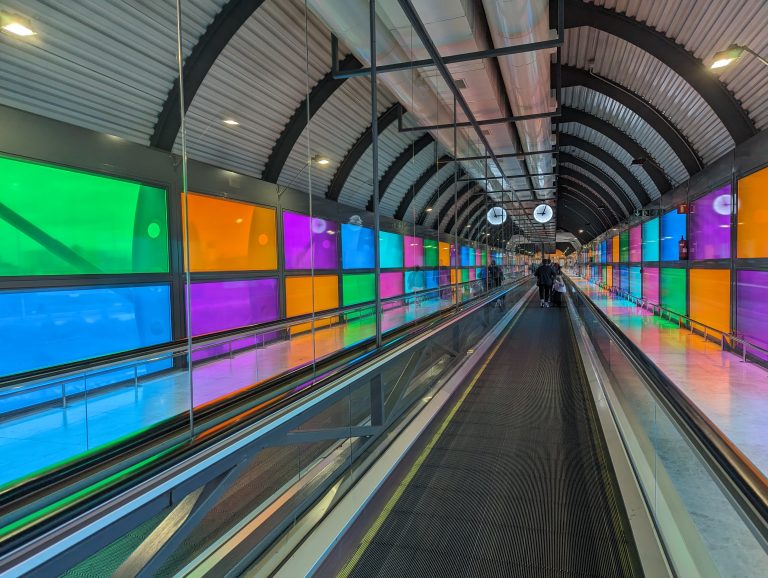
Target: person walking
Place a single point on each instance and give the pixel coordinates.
(545, 277)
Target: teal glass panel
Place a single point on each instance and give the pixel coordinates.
(651, 240)
(390, 250)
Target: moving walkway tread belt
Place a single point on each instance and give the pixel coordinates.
(518, 482)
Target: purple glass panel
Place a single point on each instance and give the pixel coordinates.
(710, 225)
(414, 251)
(445, 277)
(752, 312)
(301, 232)
(222, 305)
(609, 251)
(651, 284)
(636, 244)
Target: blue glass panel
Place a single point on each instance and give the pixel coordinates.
(57, 326)
(415, 281)
(624, 277)
(432, 276)
(672, 231)
(603, 251)
(356, 247)
(636, 281)
(465, 256)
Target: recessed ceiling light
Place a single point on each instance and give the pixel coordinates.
(321, 160)
(18, 29)
(16, 25)
(231, 122)
(428, 209)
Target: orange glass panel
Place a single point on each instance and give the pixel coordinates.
(609, 273)
(752, 217)
(453, 276)
(711, 297)
(616, 249)
(228, 235)
(445, 254)
(298, 299)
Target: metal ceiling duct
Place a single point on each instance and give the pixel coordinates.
(526, 76)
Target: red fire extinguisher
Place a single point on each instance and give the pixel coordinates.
(682, 247)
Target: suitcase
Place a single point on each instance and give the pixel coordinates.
(556, 299)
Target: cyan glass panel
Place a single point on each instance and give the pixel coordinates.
(356, 247)
(651, 240)
(673, 232)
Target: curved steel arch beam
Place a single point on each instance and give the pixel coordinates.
(569, 140)
(675, 56)
(570, 225)
(587, 186)
(463, 192)
(593, 229)
(602, 177)
(399, 164)
(620, 138)
(196, 66)
(572, 76)
(463, 221)
(569, 193)
(319, 94)
(357, 151)
(420, 183)
(439, 192)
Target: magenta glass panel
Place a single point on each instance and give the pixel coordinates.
(617, 278)
(710, 225)
(222, 305)
(478, 256)
(636, 244)
(391, 284)
(472, 274)
(414, 251)
(300, 233)
(651, 284)
(752, 311)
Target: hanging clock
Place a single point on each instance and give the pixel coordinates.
(497, 216)
(543, 213)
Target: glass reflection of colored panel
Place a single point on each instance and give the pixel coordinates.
(478, 256)
(609, 252)
(651, 284)
(608, 279)
(624, 277)
(391, 284)
(302, 233)
(483, 257)
(711, 297)
(752, 218)
(464, 275)
(651, 240)
(445, 254)
(431, 278)
(635, 281)
(56, 221)
(672, 232)
(358, 288)
(616, 249)
(752, 311)
(415, 281)
(636, 244)
(453, 276)
(431, 252)
(222, 305)
(356, 247)
(390, 250)
(414, 251)
(453, 255)
(472, 274)
(711, 225)
(299, 294)
(445, 277)
(673, 291)
(55, 326)
(624, 246)
(603, 252)
(616, 277)
(229, 235)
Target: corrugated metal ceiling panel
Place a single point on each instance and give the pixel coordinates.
(613, 149)
(704, 27)
(605, 188)
(606, 169)
(407, 177)
(627, 121)
(332, 132)
(259, 79)
(106, 66)
(622, 62)
(445, 199)
(422, 197)
(358, 188)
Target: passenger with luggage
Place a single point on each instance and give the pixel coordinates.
(558, 292)
(545, 277)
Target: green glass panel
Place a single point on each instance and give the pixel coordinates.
(465, 275)
(484, 257)
(430, 253)
(56, 221)
(624, 246)
(358, 288)
(673, 290)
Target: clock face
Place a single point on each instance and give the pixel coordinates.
(543, 213)
(496, 216)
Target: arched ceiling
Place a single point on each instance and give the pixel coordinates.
(633, 77)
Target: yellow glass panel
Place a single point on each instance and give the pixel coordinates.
(752, 217)
(445, 254)
(228, 235)
(711, 297)
(453, 276)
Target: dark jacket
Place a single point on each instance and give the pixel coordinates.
(545, 275)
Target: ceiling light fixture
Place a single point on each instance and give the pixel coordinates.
(16, 25)
(428, 209)
(231, 122)
(731, 54)
(321, 160)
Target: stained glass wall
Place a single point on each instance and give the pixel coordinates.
(710, 226)
(711, 297)
(673, 230)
